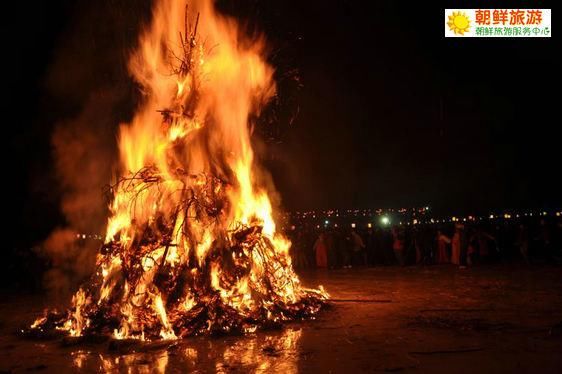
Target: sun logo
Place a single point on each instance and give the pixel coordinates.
(459, 22)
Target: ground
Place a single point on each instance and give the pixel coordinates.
(504, 318)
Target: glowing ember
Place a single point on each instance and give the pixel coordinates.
(191, 246)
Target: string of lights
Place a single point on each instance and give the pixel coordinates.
(369, 218)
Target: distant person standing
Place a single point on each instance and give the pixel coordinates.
(347, 249)
(484, 240)
(370, 244)
(523, 242)
(545, 239)
(442, 242)
(417, 238)
(387, 244)
(359, 252)
(398, 245)
(428, 240)
(330, 241)
(472, 253)
(464, 247)
(299, 250)
(456, 245)
(321, 251)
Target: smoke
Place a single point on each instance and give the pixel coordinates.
(71, 262)
(91, 93)
(84, 153)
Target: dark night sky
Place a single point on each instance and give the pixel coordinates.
(390, 113)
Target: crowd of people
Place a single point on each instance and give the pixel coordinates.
(457, 243)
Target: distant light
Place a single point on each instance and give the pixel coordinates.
(557, 214)
(326, 222)
(369, 225)
(454, 219)
(353, 225)
(385, 220)
(335, 225)
(491, 216)
(415, 221)
(292, 227)
(78, 236)
(83, 236)
(426, 208)
(544, 213)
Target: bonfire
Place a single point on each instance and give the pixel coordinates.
(191, 246)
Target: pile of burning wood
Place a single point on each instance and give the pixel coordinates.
(152, 288)
(191, 246)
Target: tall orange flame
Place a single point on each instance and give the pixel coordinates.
(188, 210)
